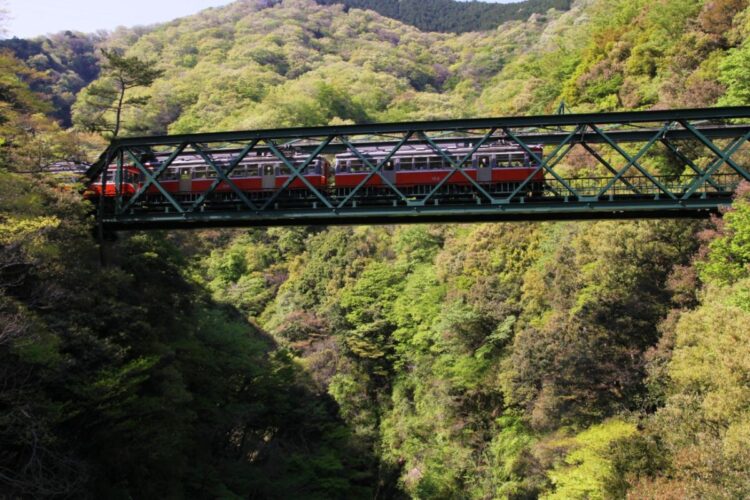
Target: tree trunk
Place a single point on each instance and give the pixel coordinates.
(119, 109)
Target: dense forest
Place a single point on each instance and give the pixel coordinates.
(528, 360)
(68, 62)
(451, 15)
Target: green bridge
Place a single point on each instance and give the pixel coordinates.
(668, 164)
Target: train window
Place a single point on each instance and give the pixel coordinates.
(199, 173)
(406, 164)
(435, 162)
(483, 162)
(355, 166)
(421, 162)
(267, 169)
(507, 161)
(388, 166)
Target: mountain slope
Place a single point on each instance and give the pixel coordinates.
(258, 64)
(451, 15)
(67, 60)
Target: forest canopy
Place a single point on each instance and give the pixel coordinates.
(451, 15)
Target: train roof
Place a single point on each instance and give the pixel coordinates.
(428, 151)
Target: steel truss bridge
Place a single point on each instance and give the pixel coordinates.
(671, 163)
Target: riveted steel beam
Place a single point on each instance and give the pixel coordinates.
(551, 211)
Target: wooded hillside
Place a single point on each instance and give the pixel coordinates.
(545, 360)
(454, 16)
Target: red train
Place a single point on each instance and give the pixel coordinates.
(415, 171)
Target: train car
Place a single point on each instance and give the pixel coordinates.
(189, 176)
(130, 183)
(498, 168)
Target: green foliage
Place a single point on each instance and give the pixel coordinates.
(367, 306)
(706, 414)
(128, 380)
(454, 16)
(298, 63)
(586, 469)
(639, 456)
(729, 254)
(102, 103)
(604, 296)
(68, 62)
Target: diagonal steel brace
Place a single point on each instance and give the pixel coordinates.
(223, 176)
(687, 161)
(722, 158)
(374, 170)
(457, 167)
(297, 173)
(593, 152)
(632, 161)
(543, 163)
(151, 179)
(154, 179)
(723, 155)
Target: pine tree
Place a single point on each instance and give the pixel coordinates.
(104, 101)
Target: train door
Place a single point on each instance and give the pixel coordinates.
(389, 171)
(268, 176)
(186, 180)
(484, 172)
